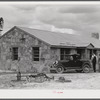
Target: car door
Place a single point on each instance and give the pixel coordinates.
(78, 63)
(71, 62)
(65, 63)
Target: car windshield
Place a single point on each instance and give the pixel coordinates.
(71, 57)
(75, 57)
(67, 57)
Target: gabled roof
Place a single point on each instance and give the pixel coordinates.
(61, 39)
(49, 37)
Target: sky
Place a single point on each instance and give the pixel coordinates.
(78, 19)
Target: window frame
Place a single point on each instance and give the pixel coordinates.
(64, 53)
(14, 54)
(36, 54)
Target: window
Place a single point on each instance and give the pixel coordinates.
(15, 53)
(64, 54)
(36, 53)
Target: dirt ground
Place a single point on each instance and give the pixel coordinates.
(78, 81)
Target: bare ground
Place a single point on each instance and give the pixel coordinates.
(78, 81)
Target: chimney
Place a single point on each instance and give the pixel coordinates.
(1, 24)
(95, 35)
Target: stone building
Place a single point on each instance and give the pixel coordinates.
(38, 47)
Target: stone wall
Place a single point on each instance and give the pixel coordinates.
(55, 54)
(26, 63)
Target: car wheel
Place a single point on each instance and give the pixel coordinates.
(60, 69)
(86, 68)
(78, 71)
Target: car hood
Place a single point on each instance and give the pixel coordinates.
(63, 60)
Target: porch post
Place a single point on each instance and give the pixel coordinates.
(92, 51)
(86, 56)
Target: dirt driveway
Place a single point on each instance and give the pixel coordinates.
(78, 81)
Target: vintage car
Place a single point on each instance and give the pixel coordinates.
(72, 62)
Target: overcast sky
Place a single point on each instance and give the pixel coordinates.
(72, 19)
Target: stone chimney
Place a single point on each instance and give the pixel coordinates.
(95, 35)
(1, 24)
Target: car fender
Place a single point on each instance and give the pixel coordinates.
(60, 64)
(87, 64)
